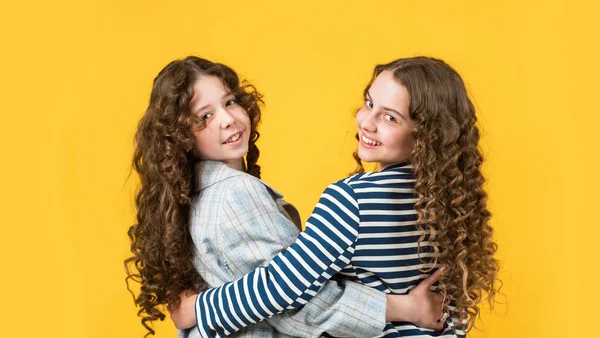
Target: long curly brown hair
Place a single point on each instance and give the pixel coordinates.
(451, 202)
(164, 159)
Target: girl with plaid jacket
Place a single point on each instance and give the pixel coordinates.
(205, 217)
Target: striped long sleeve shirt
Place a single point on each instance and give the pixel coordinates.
(363, 228)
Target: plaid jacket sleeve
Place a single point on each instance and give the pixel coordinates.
(294, 276)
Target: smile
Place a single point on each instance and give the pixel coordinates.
(233, 138)
(369, 142)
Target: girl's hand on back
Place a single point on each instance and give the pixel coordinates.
(420, 306)
(184, 315)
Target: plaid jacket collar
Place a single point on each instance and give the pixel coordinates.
(211, 172)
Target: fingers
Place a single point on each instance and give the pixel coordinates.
(437, 322)
(439, 301)
(442, 321)
(429, 281)
(438, 326)
(439, 310)
(188, 293)
(438, 315)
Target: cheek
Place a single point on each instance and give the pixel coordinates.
(402, 139)
(203, 142)
(411, 141)
(241, 115)
(246, 119)
(360, 116)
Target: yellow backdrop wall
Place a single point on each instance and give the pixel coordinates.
(76, 77)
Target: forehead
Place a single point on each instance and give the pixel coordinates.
(208, 87)
(388, 90)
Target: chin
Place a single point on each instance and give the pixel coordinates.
(365, 156)
(240, 153)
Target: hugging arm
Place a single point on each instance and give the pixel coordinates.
(294, 276)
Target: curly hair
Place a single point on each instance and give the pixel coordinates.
(164, 159)
(451, 203)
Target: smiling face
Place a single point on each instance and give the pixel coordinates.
(225, 125)
(384, 125)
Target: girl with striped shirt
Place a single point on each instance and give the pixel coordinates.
(205, 217)
(389, 229)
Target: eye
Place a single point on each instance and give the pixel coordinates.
(230, 102)
(206, 116)
(389, 118)
(369, 104)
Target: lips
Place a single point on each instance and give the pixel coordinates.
(233, 137)
(369, 142)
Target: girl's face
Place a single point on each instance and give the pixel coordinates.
(384, 125)
(226, 130)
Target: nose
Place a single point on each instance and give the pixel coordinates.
(226, 119)
(366, 120)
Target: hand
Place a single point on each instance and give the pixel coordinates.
(420, 307)
(184, 316)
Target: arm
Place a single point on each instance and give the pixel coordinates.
(255, 231)
(293, 277)
(420, 307)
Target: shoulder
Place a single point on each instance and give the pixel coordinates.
(243, 194)
(215, 178)
(350, 184)
(232, 186)
(239, 182)
(358, 180)
(340, 194)
(247, 185)
(392, 176)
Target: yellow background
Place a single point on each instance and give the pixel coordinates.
(75, 77)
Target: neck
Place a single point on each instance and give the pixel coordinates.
(237, 164)
(381, 165)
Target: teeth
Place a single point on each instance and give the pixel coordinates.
(234, 138)
(369, 141)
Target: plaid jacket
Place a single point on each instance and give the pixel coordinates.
(238, 223)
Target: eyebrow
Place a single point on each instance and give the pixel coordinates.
(387, 108)
(207, 105)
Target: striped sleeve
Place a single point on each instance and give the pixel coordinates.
(293, 277)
